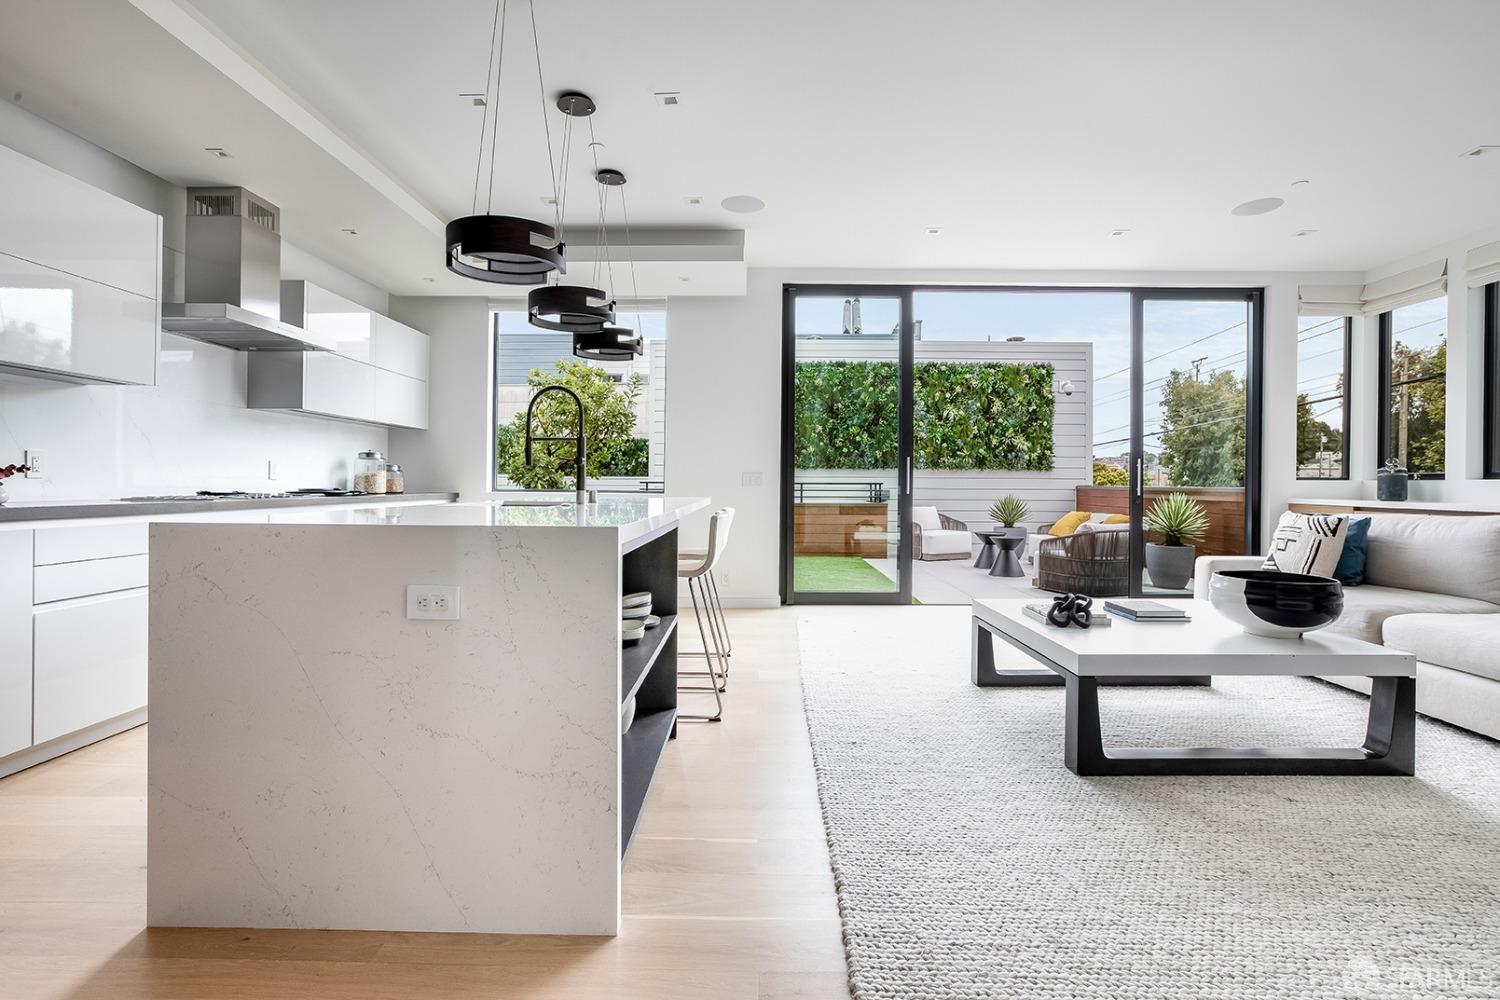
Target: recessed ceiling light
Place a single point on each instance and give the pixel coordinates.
(683, 277)
(477, 100)
(668, 98)
(693, 200)
(742, 204)
(1118, 232)
(429, 280)
(218, 151)
(1258, 206)
(1304, 232)
(933, 230)
(1481, 150)
(350, 232)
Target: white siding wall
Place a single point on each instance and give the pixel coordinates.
(968, 495)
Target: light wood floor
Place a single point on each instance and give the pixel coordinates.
(727, 891)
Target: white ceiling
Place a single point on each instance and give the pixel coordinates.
(1027, 131)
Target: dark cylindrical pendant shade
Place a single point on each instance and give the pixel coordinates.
(569, 308)
(613, 343)
(504, 250)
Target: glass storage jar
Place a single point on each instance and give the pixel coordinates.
(395, 480)
(369, 473)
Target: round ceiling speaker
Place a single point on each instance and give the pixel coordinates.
(569, 308)
(613, 343)
(504, 250)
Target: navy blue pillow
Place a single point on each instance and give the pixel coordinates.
(1351, 568)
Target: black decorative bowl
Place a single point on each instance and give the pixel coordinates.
(1283, 605)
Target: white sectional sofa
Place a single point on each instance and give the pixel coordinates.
(1432, 589)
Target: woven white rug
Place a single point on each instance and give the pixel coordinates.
(970, 863)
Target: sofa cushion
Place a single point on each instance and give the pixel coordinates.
(1068, 523)
(1436, 553)
(1367, 608)
(944, 542)
(926, 518)
(1470, 643)
(1307, 543)
(1351, 568)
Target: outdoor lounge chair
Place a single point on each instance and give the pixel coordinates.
(937, 536)
(1096, 563)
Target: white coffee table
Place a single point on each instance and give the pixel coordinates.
(1140, 653)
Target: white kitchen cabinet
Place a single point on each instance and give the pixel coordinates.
(89, 659)
(75, 543)
(328, 315)
(95, 576)
(80, 278)
(56, 220)
(400, 401)
(62, 326)
(316, 382)
(15, 626)
(400, 349)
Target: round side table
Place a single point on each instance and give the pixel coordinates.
(1010, 543)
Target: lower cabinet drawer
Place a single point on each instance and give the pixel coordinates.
(92, 576)
(91, 541)
(89, 661)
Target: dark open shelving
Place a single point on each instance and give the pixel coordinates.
(640, 752)
(636, 661)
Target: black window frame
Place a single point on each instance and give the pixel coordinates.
(1492, 380)
(1383, 424)
(1346, 396)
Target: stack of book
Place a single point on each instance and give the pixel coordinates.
(1148, 611)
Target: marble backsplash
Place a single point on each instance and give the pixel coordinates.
(191, 431)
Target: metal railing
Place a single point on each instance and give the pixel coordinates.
(855, 492)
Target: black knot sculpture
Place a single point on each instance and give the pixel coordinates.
(1071, 609)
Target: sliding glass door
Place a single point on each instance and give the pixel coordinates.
(1196, 447)
(1121, 423)
(846, 425)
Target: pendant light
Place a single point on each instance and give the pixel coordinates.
(504, 249)
(571, 308)
(612, 343)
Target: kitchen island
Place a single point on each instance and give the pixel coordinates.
(319, 759)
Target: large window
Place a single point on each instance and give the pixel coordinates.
(626, 402)
(1413, 374)
(1323, 397)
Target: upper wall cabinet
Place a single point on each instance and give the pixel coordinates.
(377, 372)
(80, 278)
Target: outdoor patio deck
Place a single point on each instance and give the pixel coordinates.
(956, 581)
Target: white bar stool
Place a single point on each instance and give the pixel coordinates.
(697, 569)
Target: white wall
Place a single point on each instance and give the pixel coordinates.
(724, 411)
(456, 449)
(192, 431)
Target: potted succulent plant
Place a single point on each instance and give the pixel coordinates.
(1179, 520)
(1010, 510)
(5, 473)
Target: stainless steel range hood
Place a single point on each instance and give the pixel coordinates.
(233, 272)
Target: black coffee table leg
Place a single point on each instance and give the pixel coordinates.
(1389, 747)
(983, 673)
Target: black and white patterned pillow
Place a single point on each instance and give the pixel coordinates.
(1307, 543)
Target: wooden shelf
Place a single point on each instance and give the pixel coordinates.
(636, 661)
(640, 752)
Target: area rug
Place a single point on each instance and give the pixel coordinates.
(970, 863)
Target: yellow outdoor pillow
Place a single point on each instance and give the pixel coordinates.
(1068, 523)
(1117, 519)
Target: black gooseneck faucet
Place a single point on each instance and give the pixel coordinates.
(580, 455)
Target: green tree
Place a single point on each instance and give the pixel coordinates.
(609, 421)
(1110, 475)
(1203, 429)
(1314, 435)
(1418, 409)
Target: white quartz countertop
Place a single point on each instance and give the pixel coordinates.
(633, 517)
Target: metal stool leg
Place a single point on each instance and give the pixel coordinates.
(713, 676)
(713, 584)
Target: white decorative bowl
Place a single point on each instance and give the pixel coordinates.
(1280, 605)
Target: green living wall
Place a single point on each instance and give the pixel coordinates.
(990, 415)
